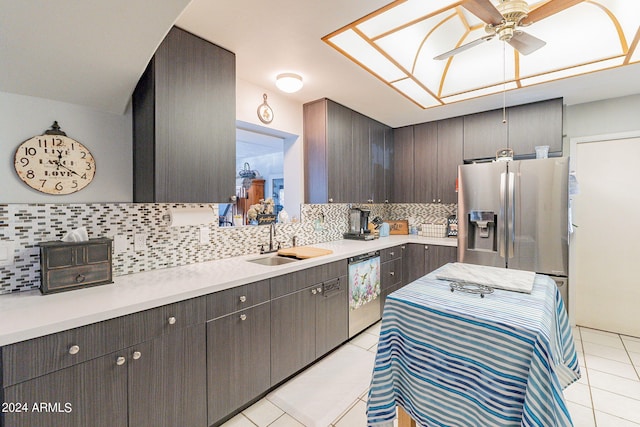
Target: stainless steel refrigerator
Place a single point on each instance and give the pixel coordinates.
(513, 214)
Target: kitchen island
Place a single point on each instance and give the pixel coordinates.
(455, 358)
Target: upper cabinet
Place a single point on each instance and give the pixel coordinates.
(426, 157)
(347, 156)
(536, 124)
(184, 123)
(526, 127)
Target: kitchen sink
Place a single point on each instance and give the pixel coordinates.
(272, 260)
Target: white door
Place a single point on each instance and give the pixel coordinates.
(605, 278)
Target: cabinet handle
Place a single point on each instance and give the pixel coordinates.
(171, 320)
(439, 200)
(433, 200)
(313, 291)
(120, 361)
(392, 273)
(330, 200)
(243, 317)
(319, 290)
(391, 253)
(402, 247)
(137, 355)
(426, 248)
(243, 298)
(80, 278)
(74, 349)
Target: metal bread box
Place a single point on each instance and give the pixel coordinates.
(72, 265)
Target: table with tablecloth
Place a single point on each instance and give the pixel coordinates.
(459, 359)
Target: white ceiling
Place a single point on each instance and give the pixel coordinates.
(93, 52)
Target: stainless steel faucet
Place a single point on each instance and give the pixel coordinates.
(272, 236)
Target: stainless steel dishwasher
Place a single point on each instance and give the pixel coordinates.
(364, 291)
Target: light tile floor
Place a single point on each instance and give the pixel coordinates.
(607, 395)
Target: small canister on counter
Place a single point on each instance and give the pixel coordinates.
(452, 226)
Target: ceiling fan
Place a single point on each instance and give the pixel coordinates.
(505, 20)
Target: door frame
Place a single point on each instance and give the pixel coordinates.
(573, 152)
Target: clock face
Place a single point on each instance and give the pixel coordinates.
(54, 164)
(265, 113)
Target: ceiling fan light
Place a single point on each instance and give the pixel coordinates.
(289, 82)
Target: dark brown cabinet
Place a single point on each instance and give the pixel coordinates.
(484, 134)
(450, 146)
(403, 165)
(539, 123)
(391, 272)
(238, 359)
(426, 161)
(348, 156)
(419, 259)
(184, 123)
(308, 317)
(425, 151)
(148, 369)
(527, 126)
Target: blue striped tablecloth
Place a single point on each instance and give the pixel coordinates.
(455, 359)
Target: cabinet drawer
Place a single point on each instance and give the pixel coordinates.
(238, 298)
(185, 313)
(288, 283)
(388, 254)
(32, 358)
(80, 276)
(391, 273)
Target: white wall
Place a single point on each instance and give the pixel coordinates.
(613, 115)
(287, 117)
(107, 135)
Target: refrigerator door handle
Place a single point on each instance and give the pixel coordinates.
(511, 215)
(501, 227)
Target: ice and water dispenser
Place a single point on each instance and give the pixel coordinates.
(482, 231)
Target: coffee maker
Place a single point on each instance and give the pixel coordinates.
(359, 225)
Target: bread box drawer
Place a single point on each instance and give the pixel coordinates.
(71, 265)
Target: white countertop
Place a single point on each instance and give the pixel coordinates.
(26, 315)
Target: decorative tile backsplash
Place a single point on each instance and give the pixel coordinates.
(29, 224)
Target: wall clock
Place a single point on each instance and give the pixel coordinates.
(265, 113)
(53, 163)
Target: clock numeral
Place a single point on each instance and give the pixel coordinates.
(59, 186)
(30, 174)
(75, 183)
(58, 142)
(42, 143)
(24, 161)
(88, 166)
(83, 155)
(30, 151)
(83, 176)
(43, 182)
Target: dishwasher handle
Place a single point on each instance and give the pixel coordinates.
(364, 257)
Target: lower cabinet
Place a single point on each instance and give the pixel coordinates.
(306, 324)
(156, 383)
(92, 393)
(391, 272)
(238, 359)
(420, 259)
(150, 372)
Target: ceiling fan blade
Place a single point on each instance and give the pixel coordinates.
(484, 10)
(525, 43)
(547, 9)
(464, 47)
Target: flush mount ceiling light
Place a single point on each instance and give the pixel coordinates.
(433, 52)
(289, 82)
